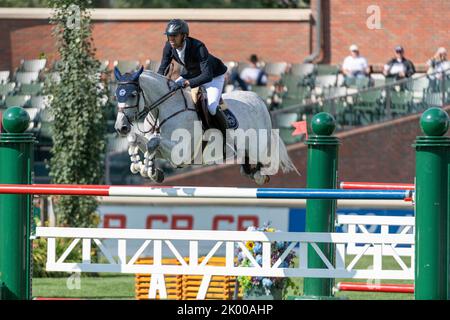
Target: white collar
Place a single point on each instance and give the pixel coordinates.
(183, 48)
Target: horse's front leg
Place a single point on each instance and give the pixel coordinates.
(160, 147)
(155, 173)
(138, 142)
(149, 147)
(153, 144)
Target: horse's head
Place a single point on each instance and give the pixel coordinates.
(128, 97)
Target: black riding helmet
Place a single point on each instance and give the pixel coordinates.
(177, 26)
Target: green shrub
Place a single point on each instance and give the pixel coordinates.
(78, 106)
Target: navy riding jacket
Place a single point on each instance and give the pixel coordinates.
(200, 66)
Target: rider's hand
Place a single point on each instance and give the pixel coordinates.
(175, 85)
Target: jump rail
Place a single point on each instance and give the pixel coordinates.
(382, 287)
(376, 186)
(202, 192)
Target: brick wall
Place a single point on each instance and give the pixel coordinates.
(231, 41)
(421, 26)
(24, 39)
(272, 40)
(377, 153)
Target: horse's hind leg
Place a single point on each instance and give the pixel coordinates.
(254, 173)
(156, 174)
(246, 168)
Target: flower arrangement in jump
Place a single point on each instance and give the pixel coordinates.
(264, 285)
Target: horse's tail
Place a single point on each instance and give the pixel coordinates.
(286, 164)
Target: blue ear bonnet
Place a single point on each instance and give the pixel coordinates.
(126, 91)
(128, 84)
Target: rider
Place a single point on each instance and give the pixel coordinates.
(199, 67)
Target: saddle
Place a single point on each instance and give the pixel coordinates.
(200, 99)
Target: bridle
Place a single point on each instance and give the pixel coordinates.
(147, 109)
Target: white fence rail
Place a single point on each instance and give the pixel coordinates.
(354, 224)
(350, 247)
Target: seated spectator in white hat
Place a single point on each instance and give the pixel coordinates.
(355, 66)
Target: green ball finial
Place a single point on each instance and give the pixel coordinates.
(434, 122)
(15, 120)
(323, 124)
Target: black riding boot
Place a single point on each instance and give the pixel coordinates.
(221, 123)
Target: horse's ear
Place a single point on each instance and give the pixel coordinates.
(117, 74)
(138, 73)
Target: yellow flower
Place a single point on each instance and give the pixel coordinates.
(270, 230)
(250, 245)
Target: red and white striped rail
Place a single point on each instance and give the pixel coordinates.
(117, 190)
(376, 186)
(366, 287)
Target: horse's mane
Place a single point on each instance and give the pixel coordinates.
(154, 74)
(150, 73)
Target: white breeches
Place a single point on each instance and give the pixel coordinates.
(214, 91)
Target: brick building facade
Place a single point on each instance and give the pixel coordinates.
(421, 26)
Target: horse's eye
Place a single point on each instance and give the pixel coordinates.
(134, 94)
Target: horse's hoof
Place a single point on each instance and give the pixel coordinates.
(260, 179)
(158, 177)
(134, 168)
(144, 171)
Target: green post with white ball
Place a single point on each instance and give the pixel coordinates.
(16, 151)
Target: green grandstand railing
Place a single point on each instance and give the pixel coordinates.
(373, 104)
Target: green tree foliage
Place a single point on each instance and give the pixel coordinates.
(79, 127)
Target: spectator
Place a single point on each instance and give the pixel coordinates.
(354, 65)
(252, 75)
(399, 67)
(438, 63)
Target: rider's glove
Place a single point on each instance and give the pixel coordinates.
(175, 85)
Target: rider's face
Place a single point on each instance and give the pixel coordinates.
(176, 41)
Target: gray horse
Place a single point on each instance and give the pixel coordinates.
(170, 116)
